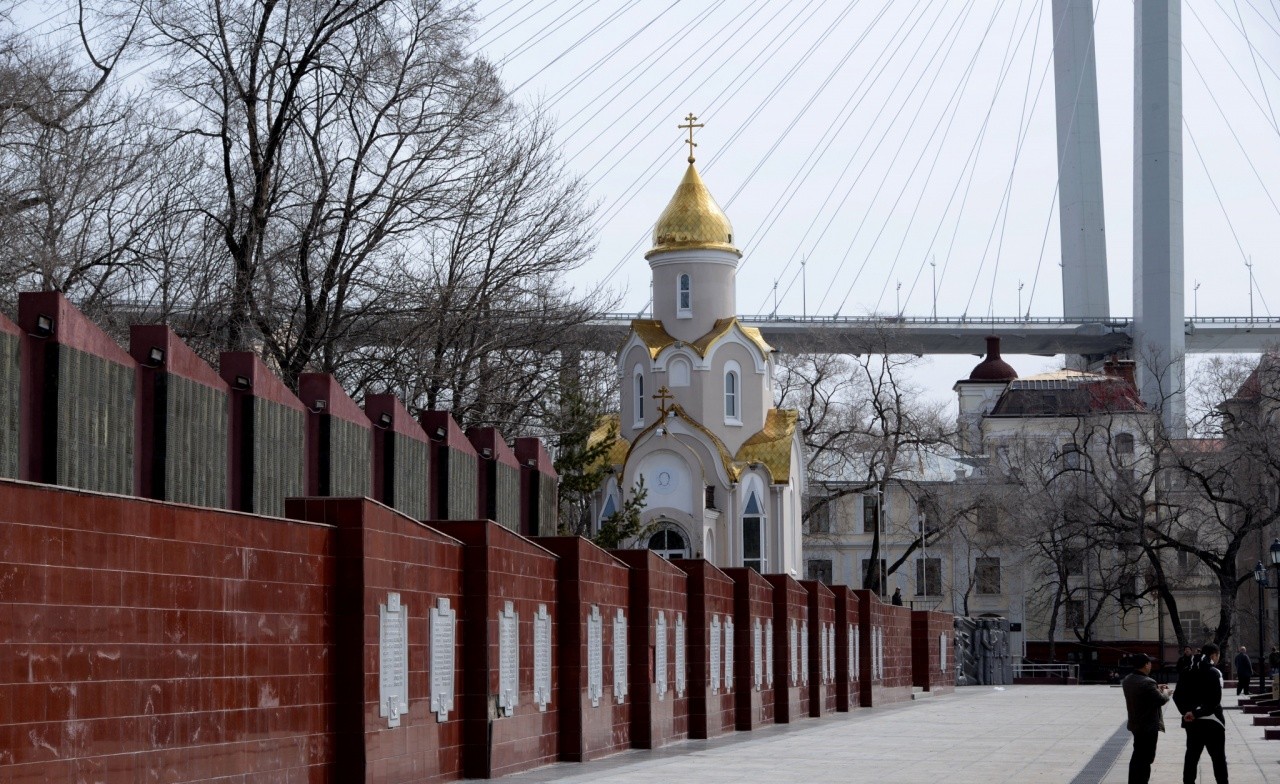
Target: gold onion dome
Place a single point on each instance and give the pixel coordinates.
(693, 220)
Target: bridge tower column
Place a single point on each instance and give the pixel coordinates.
(1158, 307)
(1080, 214)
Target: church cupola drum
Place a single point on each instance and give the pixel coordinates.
(722, 467)
(693, 258)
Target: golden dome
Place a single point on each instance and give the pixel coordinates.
(692, 220)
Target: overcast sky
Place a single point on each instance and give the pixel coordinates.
(873, 138)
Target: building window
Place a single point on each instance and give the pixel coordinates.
(928, 577)
(820, 516)
(684, 296)
(868, 578)
(870, 513)
(1124, 443)
(669, 543)
(732, 392)
(1073, 562)
(988, 520)
(1070, 456)
(753, 534)
(610, 508)
(678, 372)
(1192, 625)
(986, 575)
(1073, 613)
(639, 389)
(819, 569)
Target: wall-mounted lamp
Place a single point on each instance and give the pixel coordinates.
(384, 419)
(155, 356)
(439, 432)
(319, 406)
(242, 382)
(44, 326)
(486, 453)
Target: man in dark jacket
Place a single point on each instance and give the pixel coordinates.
(1184, 661)
(1244, 670)
(1144, 699)
(1199, 699)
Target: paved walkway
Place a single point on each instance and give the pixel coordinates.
(1069, 734)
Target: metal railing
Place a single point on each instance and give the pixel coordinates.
(1067, 671)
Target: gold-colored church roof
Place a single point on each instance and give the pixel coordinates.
(692, 220)
(656, 338)
(617, 453)
(771, 447)
(730, 467)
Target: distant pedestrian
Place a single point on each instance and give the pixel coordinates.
(1184, 661)
(897, 597)
(1244, 670)
(1144, 700)
(1273, 661)
(1199, 699)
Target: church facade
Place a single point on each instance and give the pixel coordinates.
(722, 468)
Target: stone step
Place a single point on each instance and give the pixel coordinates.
(1271, 734)
(918, 693)
(1266, 721)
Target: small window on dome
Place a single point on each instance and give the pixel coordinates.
(684, 297)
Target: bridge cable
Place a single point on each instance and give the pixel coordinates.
(1270, 121)
(599, 26)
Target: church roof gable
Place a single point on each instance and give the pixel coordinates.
(771, 447)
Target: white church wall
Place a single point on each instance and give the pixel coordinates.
(712, 276)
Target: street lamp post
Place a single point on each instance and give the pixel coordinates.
(1275, 564)
(1260, 577)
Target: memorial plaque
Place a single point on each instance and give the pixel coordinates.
(728, 653)
(804, 653)
(768, 652)
(681, 680)
(795, 661)
(393, 660)
(942, 651)
(620, 656)
(822, 653)
(542, 658)
(877, 652)
(853, 653)
(757, 655)
(831, 652)
(715, 653)
(443, 645)
(595, 656)
(508, 659)
(660, 655)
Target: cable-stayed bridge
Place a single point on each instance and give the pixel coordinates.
(1096, 337)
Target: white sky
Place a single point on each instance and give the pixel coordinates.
(840, 132)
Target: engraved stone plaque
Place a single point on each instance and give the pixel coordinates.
(620, 656)
(393, 660)
(853, 653)
(508, 659)
(757, 655)
(715, 653)
(795, 646)
(542, 658)
(822, 653)
(831, 652)
(942, 651)
(877, 653)
(443, 645)
(660, 655)
(768, 652)
(804, 653)
(681, 680)
(728, 653)
(595, 656)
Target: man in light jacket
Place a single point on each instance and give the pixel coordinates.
(1144, 699)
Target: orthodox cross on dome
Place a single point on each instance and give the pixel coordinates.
(691, 124)
(664, 396)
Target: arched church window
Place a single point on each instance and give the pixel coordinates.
(684, 296)
(639, 397)
(610, 508)
(753, 534)
(669, 543)
(732, 393)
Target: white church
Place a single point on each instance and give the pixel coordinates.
(723, 468)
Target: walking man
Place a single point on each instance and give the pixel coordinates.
(1244, 670)
(1144, 699)
(1199, 699)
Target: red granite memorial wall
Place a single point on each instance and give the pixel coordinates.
(753, 654)
(886, 651)
(497, 479)
(593, 618)
(396, 720)
(511, 718)
(848, 647)
(712, 703)
(401, 456)
(454, 472)
(10, 396)
(659, 604)
(790, 648)
(821, 648)
(539, 488)
(267, 447)
(182, 422)
(932, 651)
